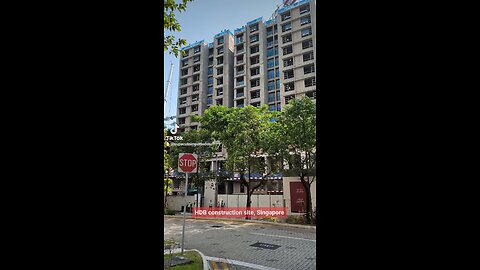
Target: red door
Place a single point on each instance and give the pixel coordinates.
(298, 197)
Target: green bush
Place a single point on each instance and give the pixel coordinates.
(296, 219)
(169, 212)
(270, 219)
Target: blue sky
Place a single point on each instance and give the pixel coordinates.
(205, 18)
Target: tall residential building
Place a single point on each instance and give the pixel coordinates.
(264, 62)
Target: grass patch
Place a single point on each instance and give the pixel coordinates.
(192, 255)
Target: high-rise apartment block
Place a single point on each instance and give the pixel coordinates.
(264, 62)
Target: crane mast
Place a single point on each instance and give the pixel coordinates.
(168, 88)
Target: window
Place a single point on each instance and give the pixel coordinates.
(183, 91)
(308, 56)
(194, 108)
(240, 70)
(308, 69)
(255, 94)
(288, 74)
(306, 32)
(181, 121)
(253, 28)
(194, 98)
(271, 97)
(183, 100)
(210, 90)
(289, 86)
(210, 52)
(279, 108)
(209, 100)
(240, 81)
(219, 102)
(278, 96)
(254, 83)
(272, 107)
(239, 48)
(196, 68)
(253, 38)
(287, 27)
(269, 41)
(220, 41)
(307, 44)
(220, 60)
(287, 50)
(210, 71)
(305, 20)
(196, 88)
(254, 71)
(254, 60)
(271, 85)
(270, 52)
(185, 63)
(270, 63)
(185, 53)
(286, 16)
(196, 49)
(256, 104)
(239, 39)
(196, 78)
(219, 81)
(184, 81)
(220, 71)
(254, 49)
(196, 58)
(312, 94)
(239, 92)
(287, 38)
(277, 72)
(271, 74)
(269, 31)
(193, 127)
(310, 82)
(288, 98)
(219, 91)
(182, 110)
(184, 72)
(304, 8)
(240, 103)
(288, 62)
(210, 80)
(210, 61)
(220, 50)
(277, 84)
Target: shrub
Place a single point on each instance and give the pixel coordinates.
(296, 219)
(169, 212)
(270, 219)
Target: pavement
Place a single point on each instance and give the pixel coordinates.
(226, 244)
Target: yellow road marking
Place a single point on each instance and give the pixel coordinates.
(214, 265)
(224, 265)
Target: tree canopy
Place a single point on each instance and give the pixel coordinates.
(171, 44)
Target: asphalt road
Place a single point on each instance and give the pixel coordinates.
(227, 244)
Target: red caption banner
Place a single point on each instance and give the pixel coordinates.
(238, 212)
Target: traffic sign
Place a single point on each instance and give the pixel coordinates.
(187, 163)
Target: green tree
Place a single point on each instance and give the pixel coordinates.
(167, 181)
(170, 23)
(296, 141)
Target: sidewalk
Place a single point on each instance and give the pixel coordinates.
(189, 216)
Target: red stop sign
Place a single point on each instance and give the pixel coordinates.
(187, 162)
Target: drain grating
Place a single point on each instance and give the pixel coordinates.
(216, 226)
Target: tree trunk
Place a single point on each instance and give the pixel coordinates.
(305, 184)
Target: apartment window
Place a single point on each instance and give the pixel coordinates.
(184, 72)
(196, 78)
(307, 44)
(183, 91)
(254, 71)
(279, 108)
(209, 100)
(287, 38)
(239, 39)
(210, 61)
(286, 16)
(255, 83)
(181, 121)
(185, 63)
(219, 81)
(220, 50)
(219, 91)
(219, 102)
(278, 95)
(196, 58)
(196, 68)
(277, 72)
(193, 127)
(288, 98)
(240, 70)
(305, 20)
(254, 60)
(196, 88)
(183, 100)
(240, 48)
(253, 28)
(288, 62)
(210, 90)
(309, 69)
(307, 56)
(196, 49)
(185, 53)
(220, 71)
(289, 86)
(210, 80)
(182, 110)
(271, 74)
(220, 41)
(269, 31)
(253, 38)
(210, 52)
(240, 103)
(272, 107)
(287, 50)
(220, 60)
(194, 98)
(184, 81)
(288, 74)
(270, 52)
(194, 108)
(269, 41)
(271, 97)
(270, 63)
(239, 92)
(255, 94)
(210, 71)
(254, 49)
(310, 82)
(312, 94)
(240, 81)
(306, 32)
(304, 8)
(256, 104)
(287, 27)
(271, 85)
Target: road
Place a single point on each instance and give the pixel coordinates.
(227, 244)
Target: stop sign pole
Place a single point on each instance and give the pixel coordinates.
(187, 163)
